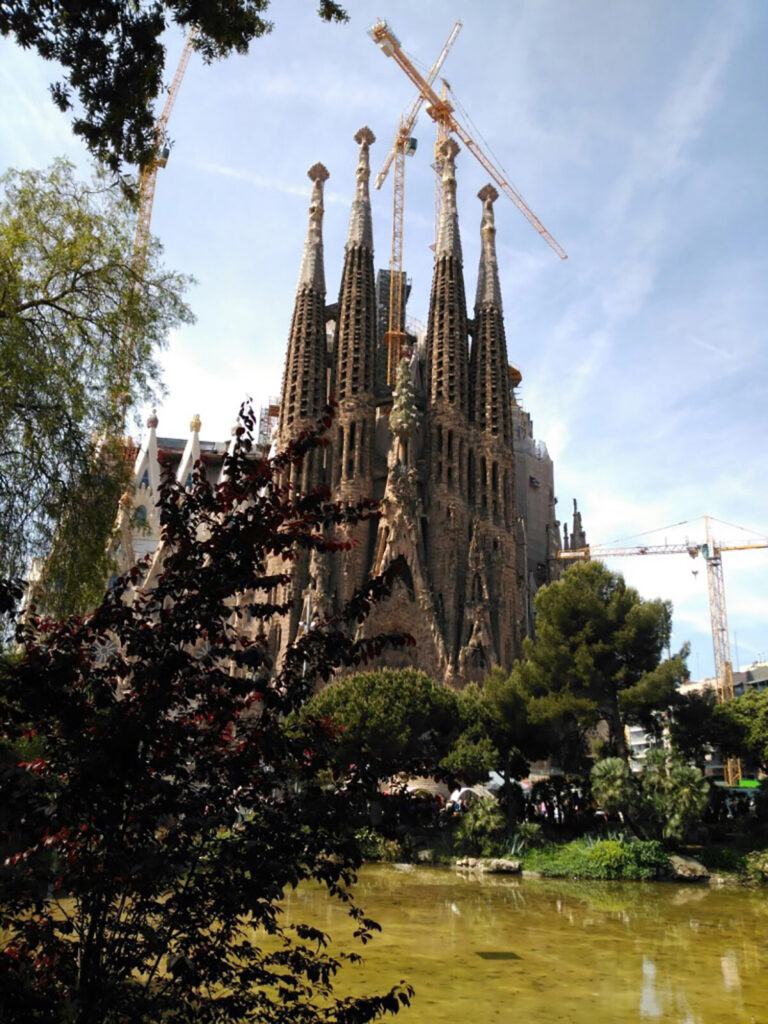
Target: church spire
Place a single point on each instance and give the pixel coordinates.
(447, 360)
(360, 227)
(355, 348)
(304, 385)
(448, 239)
(312, 274)
(488, 372)
(488, 289)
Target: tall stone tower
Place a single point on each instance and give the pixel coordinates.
(305, 390)
(450, 482)
(352, 381)
(494, 561)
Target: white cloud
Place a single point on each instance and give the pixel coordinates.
(273, 184)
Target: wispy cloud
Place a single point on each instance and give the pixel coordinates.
(273, 184)
(657, 155)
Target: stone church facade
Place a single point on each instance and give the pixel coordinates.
(437, 449)
(467, 503)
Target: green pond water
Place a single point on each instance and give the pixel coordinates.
(480, 949)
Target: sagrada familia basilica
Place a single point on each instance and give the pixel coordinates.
(468, 509)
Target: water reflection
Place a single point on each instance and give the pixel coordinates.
(547, 951)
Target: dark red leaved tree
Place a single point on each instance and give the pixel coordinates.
(155, 806)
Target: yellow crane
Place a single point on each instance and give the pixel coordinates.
(711, 551)
(146, 196)
(444, 114)
(403, 145)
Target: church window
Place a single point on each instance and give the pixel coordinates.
(478, 658)
(351, 451)
(340, 455)
(188, 483)
(361, 459)
(483, 484)
(140, 516)
(144, 482)
(471, 476)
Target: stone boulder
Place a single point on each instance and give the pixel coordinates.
(686, 869)
(491, 865)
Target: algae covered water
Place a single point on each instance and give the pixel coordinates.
(479, 949)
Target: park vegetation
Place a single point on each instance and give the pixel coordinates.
(158, 792)
(595, 666)
(112, 55)
(73, 302)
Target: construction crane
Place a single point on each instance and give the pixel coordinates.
(443, 113)
(711, 552)
(403, 145)
(146, 195)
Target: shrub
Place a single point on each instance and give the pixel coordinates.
(480, 831)
(530, 834)
(374, 846)
(633, 860)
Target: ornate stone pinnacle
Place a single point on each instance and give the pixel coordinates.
(318, 172)
(195, 423)
(449, 149)
(488, 192)
(365, 136)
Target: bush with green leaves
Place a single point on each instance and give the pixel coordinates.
(662, 801)
(480, 830)
(375, 846)
(634, 860)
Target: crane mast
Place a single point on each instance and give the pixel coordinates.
(711, 552)
(404, 145)
(146, 195)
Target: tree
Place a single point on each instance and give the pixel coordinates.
(497, 732)
(661, 802)
(388, 722)
(741, 727)
(113, 57)
(693, 731)
(597, 655)
(674, 794)
(148, 845)
(613, 786)
(68, 301)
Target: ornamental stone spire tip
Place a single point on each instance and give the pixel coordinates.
(360, 224)
(312, 274)
(488, 287)
(448, 239)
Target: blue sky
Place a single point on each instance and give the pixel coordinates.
(635, 130)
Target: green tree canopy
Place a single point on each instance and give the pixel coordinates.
(597, 655)
(114, 58)
(389, 721)
(741, 727)
(497, 731)
(68, 301)
(661, 802)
